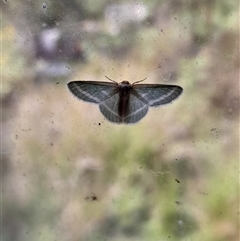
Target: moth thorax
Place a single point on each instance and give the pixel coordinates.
(124, 88)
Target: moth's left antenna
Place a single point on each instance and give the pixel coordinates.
(111, 79)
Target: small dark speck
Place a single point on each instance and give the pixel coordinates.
(93, 198)
(140, 167)
(204, 193)
(177, 180)
(51, 144)
(175, 18)
(44, 6)
(99, 124)
(57, 83)
(177, 202)
(16, 137)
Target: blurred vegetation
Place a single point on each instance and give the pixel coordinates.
(173, 176)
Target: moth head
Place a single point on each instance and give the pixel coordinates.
(124, 83)
(124, 88)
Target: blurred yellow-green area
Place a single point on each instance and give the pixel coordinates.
(69, 174)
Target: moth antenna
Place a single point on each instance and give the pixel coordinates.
(111, 79)
(139, 81)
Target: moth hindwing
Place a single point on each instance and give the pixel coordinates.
(124, 102)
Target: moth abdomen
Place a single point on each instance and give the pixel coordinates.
(123, 106)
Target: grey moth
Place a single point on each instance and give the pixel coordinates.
(124, 102)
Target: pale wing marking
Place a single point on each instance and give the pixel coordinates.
(137, 110)
(91, 91)
(109, 108)
(155, 95)
(87, 94)
(162, 97)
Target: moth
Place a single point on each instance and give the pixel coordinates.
(124, 102)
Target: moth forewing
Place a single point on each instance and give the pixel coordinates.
(156, 94)
(92, 91)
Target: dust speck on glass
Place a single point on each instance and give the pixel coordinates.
(44, 6)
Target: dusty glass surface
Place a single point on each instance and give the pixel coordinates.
(69, 174)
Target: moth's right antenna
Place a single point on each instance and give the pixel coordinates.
(139, 81)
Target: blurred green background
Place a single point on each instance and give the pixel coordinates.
(69, 174)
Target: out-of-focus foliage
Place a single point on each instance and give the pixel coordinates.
(68, 174)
